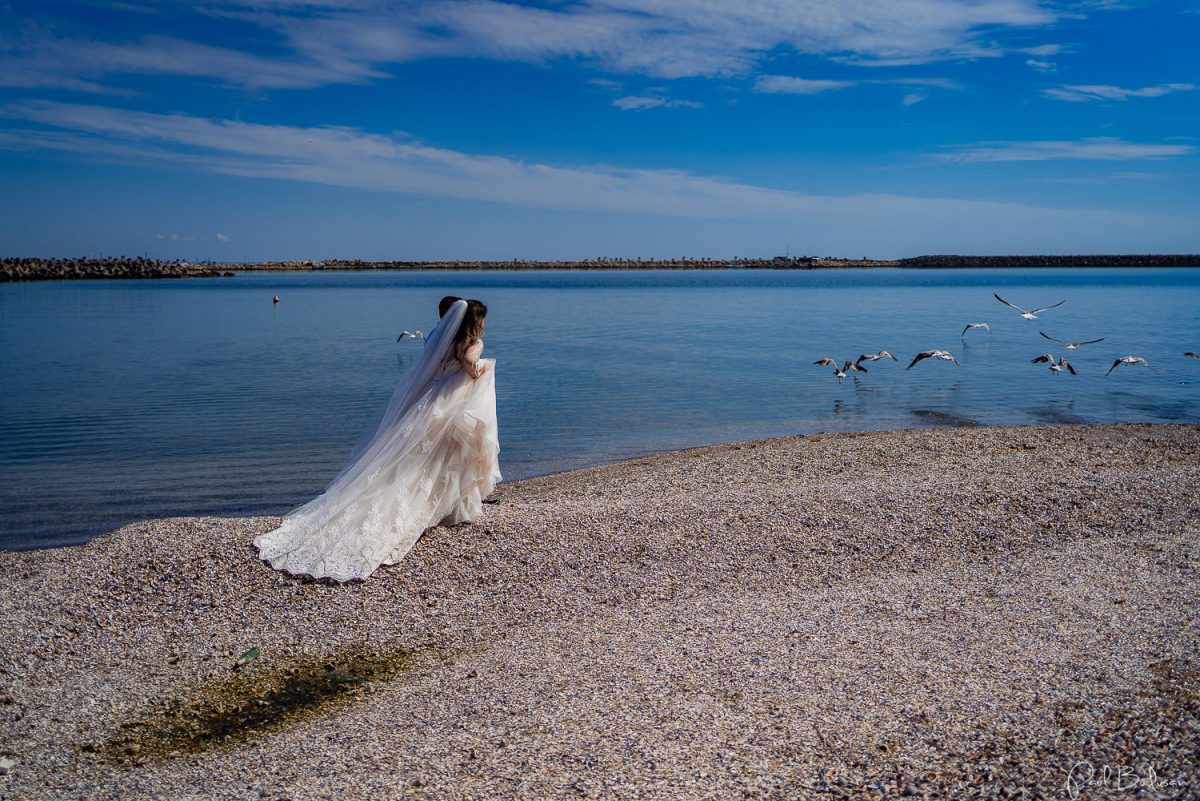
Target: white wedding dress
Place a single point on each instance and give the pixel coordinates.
(432, 459)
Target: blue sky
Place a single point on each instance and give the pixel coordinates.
(475, 129)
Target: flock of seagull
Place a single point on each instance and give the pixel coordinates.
(847, 367)
(1056, 365)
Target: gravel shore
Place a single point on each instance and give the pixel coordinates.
(966, 613)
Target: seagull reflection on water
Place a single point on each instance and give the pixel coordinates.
(1057, 412)
(939, 418)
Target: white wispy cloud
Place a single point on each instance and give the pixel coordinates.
(912, 99)
(1094, 92)
(84, 64)
(352, 42)
(1110, 178)
(677, 38)
(1041, 66)
(786, 84)
(1082, 6)
(348, 157)
(936, 83)
(222, 237)
(1090, 149)
(643, 102)
(1042, 50)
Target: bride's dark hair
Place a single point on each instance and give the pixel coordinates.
(445, 304)
(470, 328)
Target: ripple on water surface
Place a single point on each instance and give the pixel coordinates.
(132, 399)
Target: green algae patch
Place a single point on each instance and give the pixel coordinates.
(247, 704)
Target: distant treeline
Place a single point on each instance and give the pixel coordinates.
(1126, 260)
(34, 269)
(21, 269)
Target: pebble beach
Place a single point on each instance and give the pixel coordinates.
(952, 613)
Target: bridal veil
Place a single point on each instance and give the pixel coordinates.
(432, 458)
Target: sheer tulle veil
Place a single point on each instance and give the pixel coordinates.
(438, 346)
(431, 457)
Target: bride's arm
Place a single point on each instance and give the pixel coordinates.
(470, 361)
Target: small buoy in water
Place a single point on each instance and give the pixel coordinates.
(276, 299)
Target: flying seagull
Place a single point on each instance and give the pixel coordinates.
(411, 335)
(1055, 367)
(874, 357)
(1070, 345)
(984, 326)
(1028, 315)
(1128, 360)
(933, 354)
(843, 370)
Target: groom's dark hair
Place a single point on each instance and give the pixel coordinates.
(446, 303)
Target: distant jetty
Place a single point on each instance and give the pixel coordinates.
(1144, 260)
(775, 263)
(32, 269)
(35, 269)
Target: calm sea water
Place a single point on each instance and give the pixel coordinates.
(125, 400)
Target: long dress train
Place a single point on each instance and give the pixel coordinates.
(435, 464)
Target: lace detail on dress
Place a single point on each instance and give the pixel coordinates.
(440, 464)
(470, 360)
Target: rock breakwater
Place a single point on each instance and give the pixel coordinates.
(34, 269)
(1111, 260)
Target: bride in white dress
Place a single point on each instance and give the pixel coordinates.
(433, 459)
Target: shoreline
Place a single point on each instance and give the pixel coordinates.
(37, 269)
(634, 456)
(934, 611)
